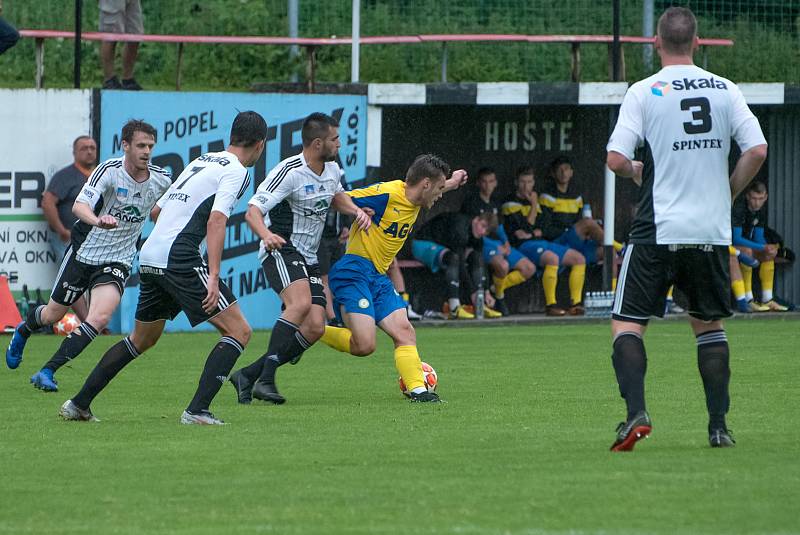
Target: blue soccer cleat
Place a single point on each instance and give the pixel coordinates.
(15, 348)
(43, 380)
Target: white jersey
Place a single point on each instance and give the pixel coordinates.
(110, 190)
(295, 202)
(685, 117)
(213, 182)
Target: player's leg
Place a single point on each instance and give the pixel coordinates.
(309, 331)
(287, 274)
(389, 317)
(577, 276)
(144, 336)
(236, 333)
(737, 283)
(71, 281)
(641, 293)
(703, 276)
(550, 261)
(105, 299)
(155, 306)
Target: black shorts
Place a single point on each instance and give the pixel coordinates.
(164, 293)
(74, 278)
(701, 272)
(330, 250)
(285, 266)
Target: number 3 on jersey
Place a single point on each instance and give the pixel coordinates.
(701, 115)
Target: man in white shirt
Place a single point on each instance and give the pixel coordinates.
(111, 209)
(175, 278)
(685, 118)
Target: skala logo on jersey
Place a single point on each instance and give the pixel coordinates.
(703, 83)
(309, 189)
(130, 214)
(660, 89)
(398, 232)
(122, 194)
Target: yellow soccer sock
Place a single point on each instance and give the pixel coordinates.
(669, 293)
(510, 280)
(499, 286)
(766, 274)
(549, 281)
(747, 278)
(614, 284)
(738, 289)
(406, 360)
(617, 246)
(577, 276)
(338, 338)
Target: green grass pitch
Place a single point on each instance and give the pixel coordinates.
(520, 447)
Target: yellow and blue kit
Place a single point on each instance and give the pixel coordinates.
(563, 210)
(358, 280)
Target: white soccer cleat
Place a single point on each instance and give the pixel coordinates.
(70, 411)
(201, 418)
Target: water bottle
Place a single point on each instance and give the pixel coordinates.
(479, 301)
(587, 211)
(591, 304)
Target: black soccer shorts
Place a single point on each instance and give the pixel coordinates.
(74, 278)
(701, 272)
(164, 293)
(286, 265)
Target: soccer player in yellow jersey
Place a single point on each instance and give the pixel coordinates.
(363, 295)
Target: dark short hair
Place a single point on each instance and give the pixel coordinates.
(677, 28)
(75, 143)
(757, 187)
(484, 171)
(248, 128)
(137, 125)
(558, 162)
(427, 166)
(317, 125)
(524, 170)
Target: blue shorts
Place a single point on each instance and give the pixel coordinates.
(428, 253)
(534, 249)
(491, 248)
(358, 287)
(588, 248)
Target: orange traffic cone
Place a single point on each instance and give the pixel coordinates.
(9, 315)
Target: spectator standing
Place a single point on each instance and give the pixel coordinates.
(120, 16)
(8, 34)
(62, 191)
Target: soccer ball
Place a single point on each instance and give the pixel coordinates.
(431, 380)
(66, 325)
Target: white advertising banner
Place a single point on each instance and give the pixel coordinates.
(37, 128)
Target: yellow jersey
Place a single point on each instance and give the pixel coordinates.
(393, 220)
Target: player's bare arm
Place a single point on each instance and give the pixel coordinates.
(85, 213)
(215, 240)
(746, 168)
(456, 180)
(342, 202)
(622, 166)
(255, 219)
(154, 213)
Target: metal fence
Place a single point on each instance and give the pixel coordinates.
(766, 33)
